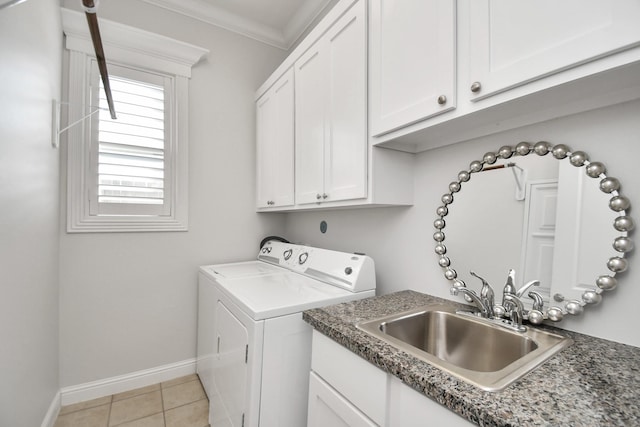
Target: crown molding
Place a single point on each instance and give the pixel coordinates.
(210, 14)
(301, 20)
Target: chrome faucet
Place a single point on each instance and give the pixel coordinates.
(517, 311)
(511, 307)
(484, 311)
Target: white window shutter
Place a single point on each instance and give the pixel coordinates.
(128, 154)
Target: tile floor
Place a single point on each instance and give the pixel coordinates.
(181, 402)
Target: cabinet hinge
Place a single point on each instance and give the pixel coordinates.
(246, 355)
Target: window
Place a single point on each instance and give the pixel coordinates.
(127, 174)
(128, 154)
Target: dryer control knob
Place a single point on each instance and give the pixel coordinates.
(287, 254)
(303, 257)
(348, 271)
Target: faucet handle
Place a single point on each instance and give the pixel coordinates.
(526, 286)
(487, 295)
(535, 314)
(484, 282)
(538, 301)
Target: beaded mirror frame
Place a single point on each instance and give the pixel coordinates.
(618, 203)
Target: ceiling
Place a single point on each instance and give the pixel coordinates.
(276, 22)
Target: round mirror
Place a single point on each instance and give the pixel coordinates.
(545, 220)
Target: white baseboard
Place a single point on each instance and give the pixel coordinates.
(52, 414)
(109, 386)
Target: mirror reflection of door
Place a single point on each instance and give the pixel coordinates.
(538, 237)
(585, 233)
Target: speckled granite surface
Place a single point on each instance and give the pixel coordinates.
(593, 382)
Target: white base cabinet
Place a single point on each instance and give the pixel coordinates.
(408, 408)
(346, 390)
(327, 407)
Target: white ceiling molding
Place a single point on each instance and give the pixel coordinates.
(301, 20)
(282, 38)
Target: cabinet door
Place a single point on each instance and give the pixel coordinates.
(515, 42)
(310, 94)
(229, 367)
(275, 144)
(412, 63)
(408, 408)
(328, 408)
(346, 136)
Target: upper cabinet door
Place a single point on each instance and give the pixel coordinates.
(346, 141)
(275, 144)
(331, 113)
(515, 42)
(310, 93)
(412, 61)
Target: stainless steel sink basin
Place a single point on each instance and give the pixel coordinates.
(473, 349)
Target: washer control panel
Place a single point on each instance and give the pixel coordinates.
(355, 272)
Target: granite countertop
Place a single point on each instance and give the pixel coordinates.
(593, 382)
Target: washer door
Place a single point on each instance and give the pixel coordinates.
(229, 367)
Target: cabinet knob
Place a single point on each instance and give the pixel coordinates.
(442, 100)
(475, 87)
(318, 196)
(325, 195)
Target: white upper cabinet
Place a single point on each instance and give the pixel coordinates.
(412, 61)
(330, 108)
(517, 63)
(275, 144)
(312, 125)
(512, 43)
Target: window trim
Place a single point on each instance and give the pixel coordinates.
(133, 48)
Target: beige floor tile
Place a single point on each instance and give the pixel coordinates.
(192, 415)
(85, 405)
(92, 417)
(182, 394)
(156, 420)
(136, 392)
(180, 380)
(135, 407)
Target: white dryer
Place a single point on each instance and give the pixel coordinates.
(254, 349)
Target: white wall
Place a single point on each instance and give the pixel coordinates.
(128, 300)
(30, 48)
(400, 239)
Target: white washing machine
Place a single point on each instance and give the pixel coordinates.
(254, 349)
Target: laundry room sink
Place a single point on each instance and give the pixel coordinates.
(473, 349)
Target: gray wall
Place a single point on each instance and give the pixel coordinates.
(400, 239)
(128, 300)
(30, 48)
